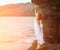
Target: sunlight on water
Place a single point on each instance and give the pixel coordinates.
(16, 33)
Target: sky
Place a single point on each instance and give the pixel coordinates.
(4, 2)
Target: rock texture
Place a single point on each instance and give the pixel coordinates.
(33, 46)
(51, 22)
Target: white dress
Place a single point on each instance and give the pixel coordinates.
(38, 31)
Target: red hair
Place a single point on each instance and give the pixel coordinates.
(39, 16)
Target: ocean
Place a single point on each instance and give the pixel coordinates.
(16, 33)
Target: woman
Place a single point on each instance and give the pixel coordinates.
(37, 29)
(38, 25)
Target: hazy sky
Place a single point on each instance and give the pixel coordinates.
(3, 2)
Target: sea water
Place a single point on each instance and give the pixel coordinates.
(16, 33)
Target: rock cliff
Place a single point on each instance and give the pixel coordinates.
(51, 22)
